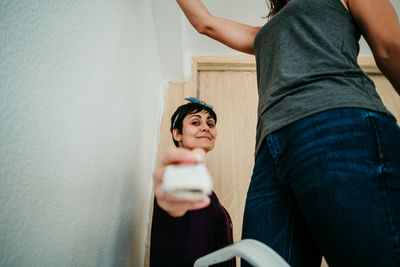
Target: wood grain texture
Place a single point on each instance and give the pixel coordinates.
(234, 96)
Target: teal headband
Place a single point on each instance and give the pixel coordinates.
(195, 101)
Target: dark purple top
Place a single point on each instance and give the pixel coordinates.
(181, 241)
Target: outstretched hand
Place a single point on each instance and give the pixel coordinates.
(174, 206)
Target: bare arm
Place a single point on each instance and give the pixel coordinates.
(231, 33)
(174, 206)
(380, 26)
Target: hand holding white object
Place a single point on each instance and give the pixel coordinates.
(190, 182)
(173, 205)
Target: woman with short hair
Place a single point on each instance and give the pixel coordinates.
(184, 230)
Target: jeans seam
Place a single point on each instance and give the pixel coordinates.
(274, 147)
(275, 150)
(289, 238)
(378, 140)
(380, 164)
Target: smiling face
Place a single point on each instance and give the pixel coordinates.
(198, 131)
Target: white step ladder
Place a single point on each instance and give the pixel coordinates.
(252, 251)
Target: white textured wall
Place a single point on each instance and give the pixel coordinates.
(80, 94)
(179, 42)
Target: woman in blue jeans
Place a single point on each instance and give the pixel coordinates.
(326, 180)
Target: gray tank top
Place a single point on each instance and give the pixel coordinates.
(306, 60)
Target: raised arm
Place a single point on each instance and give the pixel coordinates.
(231, 33)
(380, 26)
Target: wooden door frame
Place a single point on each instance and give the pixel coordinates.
(247, 63)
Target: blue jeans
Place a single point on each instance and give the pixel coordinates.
(329, 185)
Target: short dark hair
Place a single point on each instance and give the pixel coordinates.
(182, 111)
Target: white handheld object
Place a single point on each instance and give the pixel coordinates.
(190, 182)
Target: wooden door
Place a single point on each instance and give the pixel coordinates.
(234, 96)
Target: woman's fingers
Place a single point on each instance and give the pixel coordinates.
(173, 204)
(176, 156)
(183, 156)
(165, 196)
